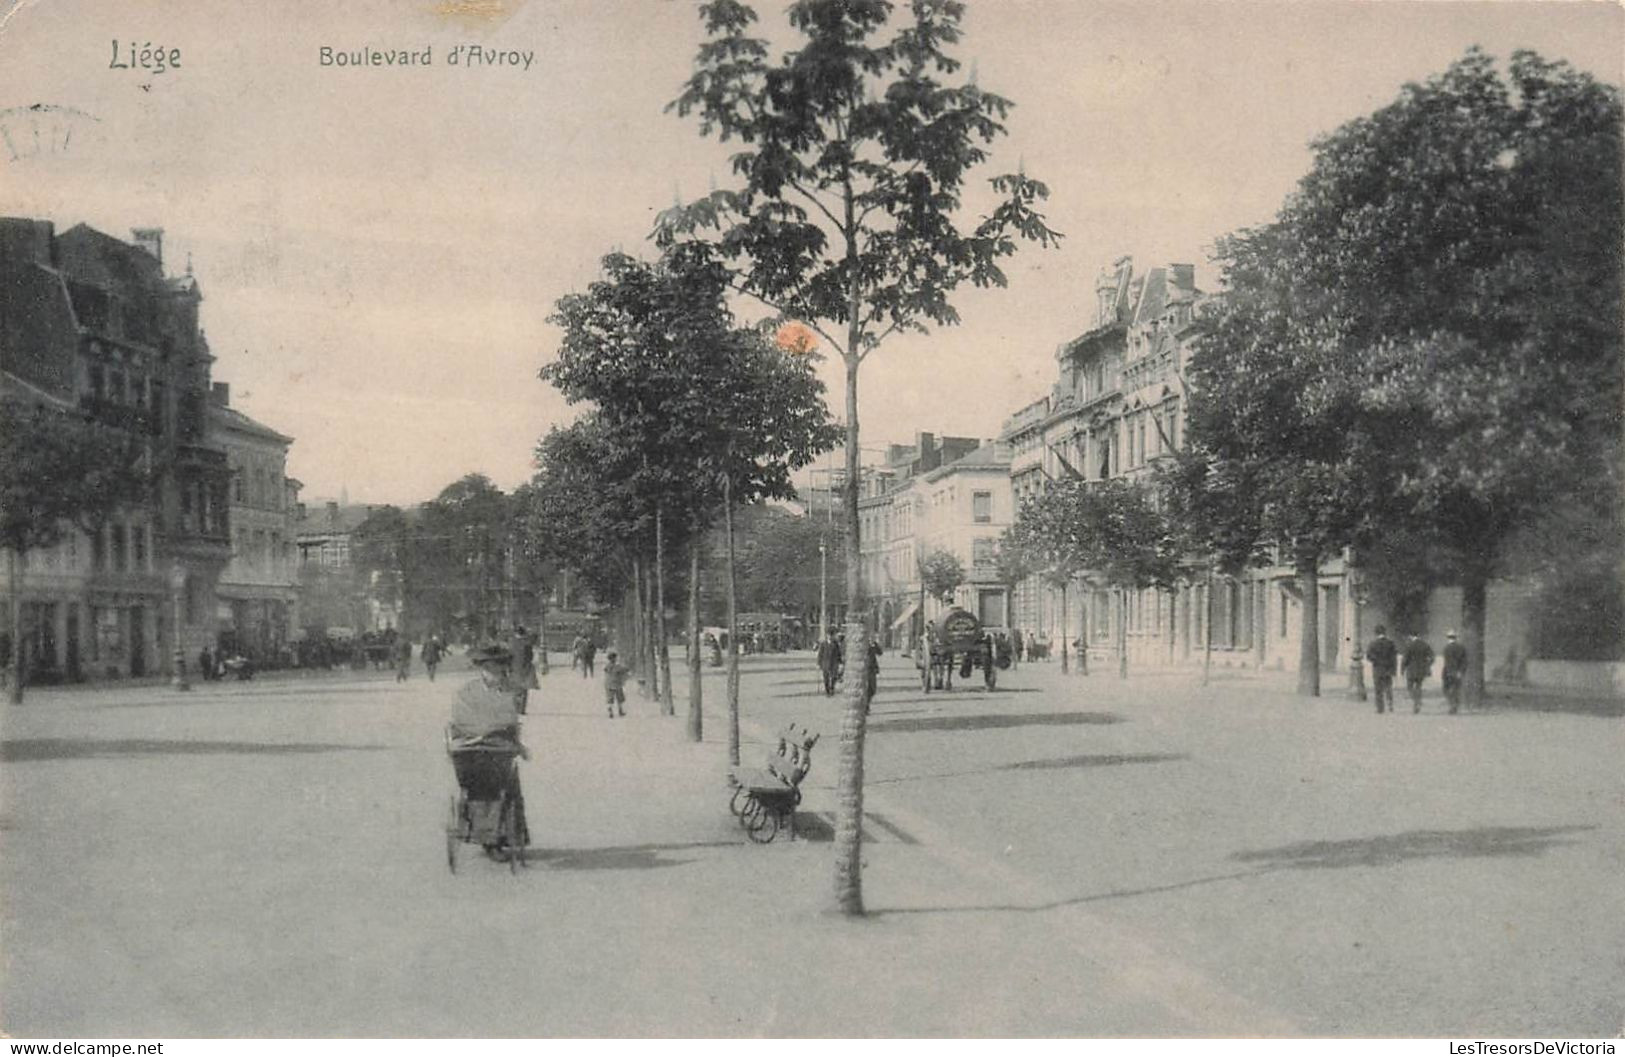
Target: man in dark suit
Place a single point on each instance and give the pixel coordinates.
(1384, 658)
(1455, 670)
(1417, 663)
(829, 661)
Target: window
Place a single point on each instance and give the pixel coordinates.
(981, 553)
(237, 486)
(981, 506)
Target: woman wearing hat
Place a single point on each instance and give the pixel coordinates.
(487, 708)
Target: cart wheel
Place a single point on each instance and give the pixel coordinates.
(752, 811)
(764, 826)
(452, 838)
(516, 850)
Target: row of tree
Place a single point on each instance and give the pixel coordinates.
(1418, 362)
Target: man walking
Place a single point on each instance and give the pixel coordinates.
(524, 666)
(403, 659)
(1455, 670)
(829, 661)
(431, 655)
(1417, 665)
(615, 684)
(1015, 648)
(1384, 657)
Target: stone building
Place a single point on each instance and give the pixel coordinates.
(259, 590)
(950, 494)
(87, 319)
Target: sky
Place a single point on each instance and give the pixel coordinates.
(379, 248)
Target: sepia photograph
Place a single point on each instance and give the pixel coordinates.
(812, 519)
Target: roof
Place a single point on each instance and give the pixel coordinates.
(326, 521)
(230, 418)
(986, 457)
(21, 389)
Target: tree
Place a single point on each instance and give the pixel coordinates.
(59, 470)
(464, 532)
(941, 573)
(697, 409)
(853, 160)
(1443, 295)
(1045, 540)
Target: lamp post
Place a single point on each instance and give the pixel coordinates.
(823, 590)
(177, 585)
(1358, 595)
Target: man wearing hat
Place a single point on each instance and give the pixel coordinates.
(1417, 662)
(1455, 669)
(1384, 658)
(487, 708)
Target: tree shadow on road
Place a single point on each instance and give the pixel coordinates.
(1105, 759)
(630, 857)
(953, 723)
(1487, 841)
(35, 750)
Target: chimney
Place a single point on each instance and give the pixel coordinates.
(151, 240)
(299, 511)
(220, 393)
(26, 241)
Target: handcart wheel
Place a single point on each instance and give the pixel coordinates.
(752, 808)
(452, 838)
(764, 827)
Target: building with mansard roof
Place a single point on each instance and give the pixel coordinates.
(92, 321)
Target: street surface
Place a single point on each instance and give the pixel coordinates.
(1063, 856)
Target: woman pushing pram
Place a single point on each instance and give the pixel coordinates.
(483, 742)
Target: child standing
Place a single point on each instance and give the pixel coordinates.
(615, 684)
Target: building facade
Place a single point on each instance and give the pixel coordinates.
(258, 591)
(91, 321)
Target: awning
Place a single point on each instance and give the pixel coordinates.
(907, 615)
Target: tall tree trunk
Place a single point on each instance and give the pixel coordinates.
(1083, 629)
(541, 629)
(733, 625)
(1122, 633)
(1066, 640)
(1474, 603)
(640, 627)
(1308, 572)
(849, 775)
(14, 581)
(696, 722)
(651, 670)
(662, 646)
(1207, 628)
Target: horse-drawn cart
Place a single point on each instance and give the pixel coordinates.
(961, 642)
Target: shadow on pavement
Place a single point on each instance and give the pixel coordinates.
(1096, 760)
(1105, 759)
(1370, 851)
(631, 857)
(819, 828)
(991, 722)
(1485, 842)
(34, 750)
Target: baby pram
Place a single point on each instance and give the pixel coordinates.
(489, 808)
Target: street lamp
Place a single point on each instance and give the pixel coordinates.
(823, 591)
(177, 585)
